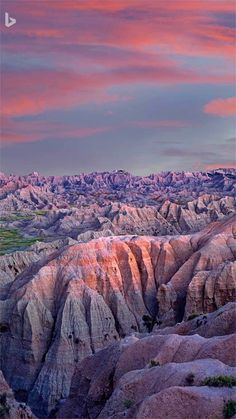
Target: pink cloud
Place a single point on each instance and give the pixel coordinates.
(221, 107)
(20, 131)
(93, 46)
(187, 27)
(34, 92)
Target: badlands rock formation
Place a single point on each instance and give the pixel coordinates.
(82, 297)
(96, 221)
(103, 204)
(208, 275)
(161, 374)
(9, 407)
(14, 263)
(218, 323)
(126, 271)
(35, 191)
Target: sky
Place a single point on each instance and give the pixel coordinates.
(96, 85)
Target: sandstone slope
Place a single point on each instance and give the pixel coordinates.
(122, 380)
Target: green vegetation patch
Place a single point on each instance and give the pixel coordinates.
(193, 316)
(40, 212)
(154, 363)
(229, 409)
(149, 322)
(21, 216)
(11, 240)
(190, 379)
(4, 408)
(16, 216)
(219, 381)
(128, 403)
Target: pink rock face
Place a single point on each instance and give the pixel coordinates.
(122, 380)
(146, 386)
(175, 348)
(75, 300)
(179, 403)
(208, 275)
(207, 288)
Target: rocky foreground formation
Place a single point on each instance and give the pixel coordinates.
(9, 407)
(71, 300)
(155, 376)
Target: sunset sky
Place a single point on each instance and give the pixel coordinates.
(139, 85)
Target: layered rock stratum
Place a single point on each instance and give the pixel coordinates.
(125, 271)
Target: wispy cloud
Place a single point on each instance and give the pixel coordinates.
(20, 131)
(221, 107)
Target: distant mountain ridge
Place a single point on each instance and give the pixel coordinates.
(34, 191)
